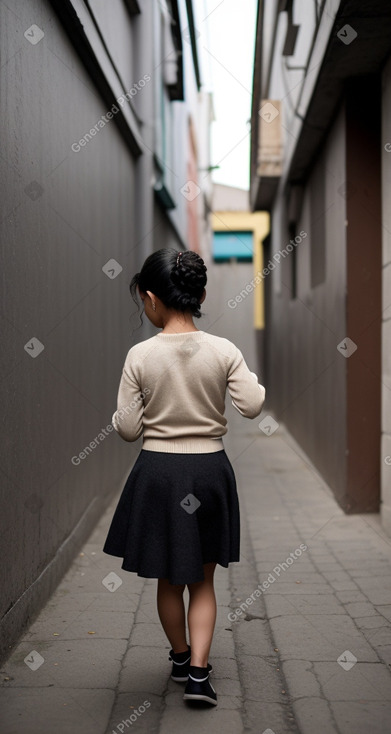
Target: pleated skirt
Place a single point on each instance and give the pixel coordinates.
(176, 512)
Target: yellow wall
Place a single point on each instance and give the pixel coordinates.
(259, 224)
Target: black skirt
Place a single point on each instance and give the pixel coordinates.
(176, 512)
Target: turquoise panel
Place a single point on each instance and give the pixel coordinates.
(232, 244)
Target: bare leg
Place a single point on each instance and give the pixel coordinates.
(171, 610)
(201, 617)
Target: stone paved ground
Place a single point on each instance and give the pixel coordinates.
(104, 656)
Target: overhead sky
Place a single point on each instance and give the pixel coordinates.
(226, 48)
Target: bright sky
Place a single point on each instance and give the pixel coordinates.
(226, 49)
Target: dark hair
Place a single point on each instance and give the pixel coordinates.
(179, 285)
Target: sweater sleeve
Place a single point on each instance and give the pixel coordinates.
(128, 418)
(248, 395)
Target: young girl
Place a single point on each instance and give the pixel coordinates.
(178, 515)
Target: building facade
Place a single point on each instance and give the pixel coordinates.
(103, 137)
(320, 164)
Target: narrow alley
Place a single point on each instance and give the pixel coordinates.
(171, 167)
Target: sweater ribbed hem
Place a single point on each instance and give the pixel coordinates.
(185, 445)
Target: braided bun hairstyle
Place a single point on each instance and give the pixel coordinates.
(189, 276)
(177, 278)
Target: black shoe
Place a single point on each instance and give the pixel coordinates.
(181, 665)
(198, 686)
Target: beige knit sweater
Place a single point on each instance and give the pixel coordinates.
(173, 388)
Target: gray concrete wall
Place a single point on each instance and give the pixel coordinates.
(306, 377)
(64, 215)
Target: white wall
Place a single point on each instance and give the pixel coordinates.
(230, 199)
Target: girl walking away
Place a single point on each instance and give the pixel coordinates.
(178, 514)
